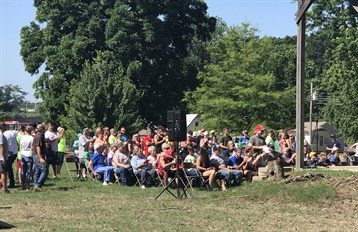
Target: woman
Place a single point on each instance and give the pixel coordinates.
(26, 158)
(203, 165)
(166, 163)
(61, 148)
(100, 141)
(153, 159)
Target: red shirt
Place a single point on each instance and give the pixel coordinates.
(144, 144)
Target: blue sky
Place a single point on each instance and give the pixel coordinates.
(271, 17)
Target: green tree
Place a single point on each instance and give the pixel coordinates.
(104, 96)
(238, 90)
(333, 46)
(11, 98)
(151, 40)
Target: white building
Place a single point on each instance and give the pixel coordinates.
(192, 121)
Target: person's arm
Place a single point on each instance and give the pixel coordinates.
(165, 165)
(258, 158)
(157, 141)
(41, 156)
(2, 154)
(200, 168)
(91, 168)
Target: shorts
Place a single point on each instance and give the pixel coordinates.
(82, 163)
(18, 164)
(2, 167)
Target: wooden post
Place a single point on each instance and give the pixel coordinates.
(311, 112)
(300, 82)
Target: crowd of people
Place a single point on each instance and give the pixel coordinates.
(142, 160)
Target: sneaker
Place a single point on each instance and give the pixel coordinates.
(105, 183)
(54, 177)
(5, 191)
(142, 186)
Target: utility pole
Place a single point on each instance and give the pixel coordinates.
(311, 111)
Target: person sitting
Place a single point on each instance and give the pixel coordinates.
(190, 160)
(121, 164)
(239, 163)
(286, 157)
(323, 160)
(334, 159)
(312, 161)
(153, 159)
(88, 151)
(139, 164)
(203, 165)
(98, 164)
(218, 162)
(166, 163)
(110, 154)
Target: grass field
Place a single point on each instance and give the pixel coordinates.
(259, 206)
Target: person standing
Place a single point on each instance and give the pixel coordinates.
(39, 150)
(224, 140)
(3, 158)
(83, 140)
(52, 137)
(13, 148)
(61, 149)
(26, 142)
(147, 142)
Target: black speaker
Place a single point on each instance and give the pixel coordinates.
(176, 123)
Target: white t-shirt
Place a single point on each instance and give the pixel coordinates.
(26, 143)
(51, 135)
(11, 141)
(356, 154)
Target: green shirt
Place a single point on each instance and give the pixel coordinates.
(111, 139)
(18, 139)
(62, 145)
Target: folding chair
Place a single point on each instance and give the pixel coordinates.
(161, 183)
(117, 178)
(191, 178)
(69, 171)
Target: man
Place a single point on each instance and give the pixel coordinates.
(3, 158)
(98, 164)
(225, 139)
(333, 145)
(121, 164)
(147, 142)
(244, 140)
(140, 167)
(39, 150)
(13, 148)
(257, 141)
(334, 159)
(124, 137)
(82, 140)
(270, 136)
(218, 162)
(52, 157)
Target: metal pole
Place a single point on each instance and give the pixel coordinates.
(311, 111)
(300, 88)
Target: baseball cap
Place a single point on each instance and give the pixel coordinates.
(260, 127)
(40, 126)
(79, 134)
(212, 131)
(333, 135)
(206, 132)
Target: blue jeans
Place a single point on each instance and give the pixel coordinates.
(226, 174)
(41, 172)
(124, 174)
(107, 170)
(26, 164)
(237, 177)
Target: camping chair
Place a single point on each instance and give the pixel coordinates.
(161, 183)
(117, 178)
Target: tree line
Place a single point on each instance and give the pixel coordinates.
(127, 62)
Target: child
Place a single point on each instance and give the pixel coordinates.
(87, 157)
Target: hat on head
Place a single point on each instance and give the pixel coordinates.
(271, 145)
(270, 131)
(85, 130)
(333, 135)
(206, 132)
(212, 131)
(260, 127)
(79, 134)
(245, 132)
(312, 153)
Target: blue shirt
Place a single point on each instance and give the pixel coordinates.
(243, 141)
(234, 161)
(334, 160)
(137, 161)
(98, 160)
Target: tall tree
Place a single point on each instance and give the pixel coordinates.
(104, 96)
(151, 40)
(238, 90)
(333, 27)
(12, 97)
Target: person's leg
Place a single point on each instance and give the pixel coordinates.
(237, 176)
(19, 171)
(153, 174)
(37, 172)
(60, 161)
(43, 175)
(248, 174)
(143, 176)
(123, 173)
(3, 177)
(24, 169)
(10, 171)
